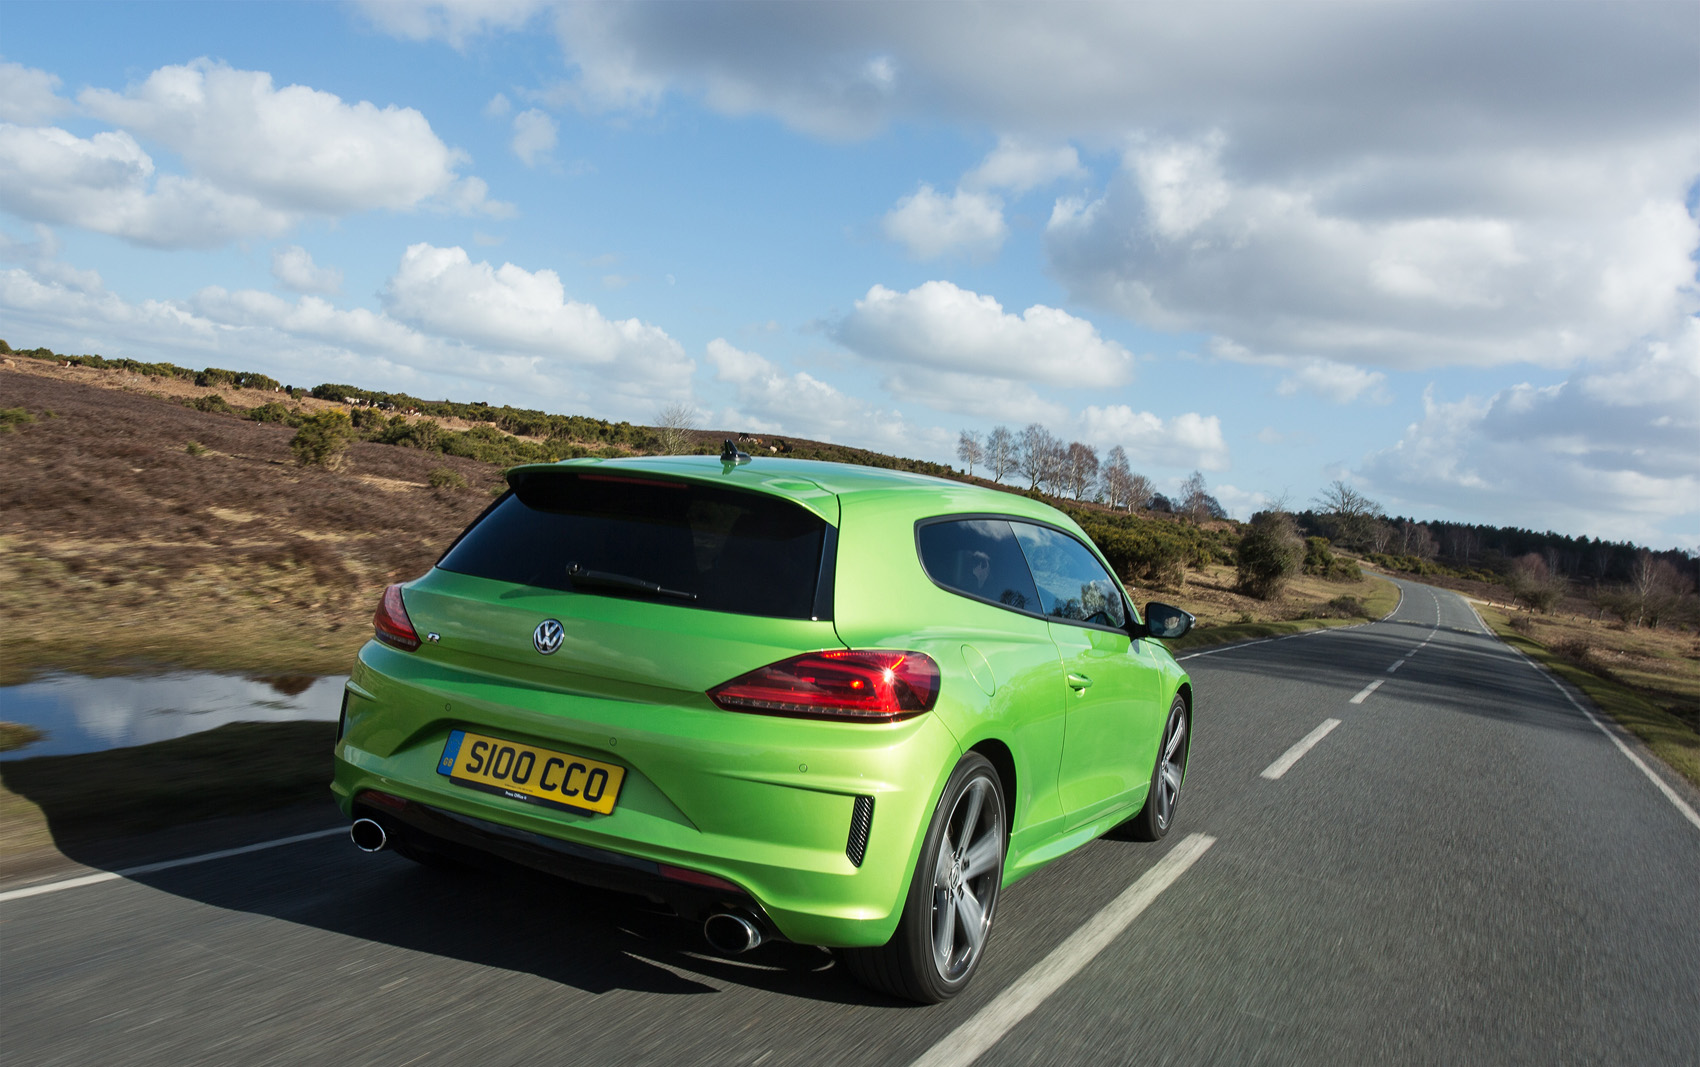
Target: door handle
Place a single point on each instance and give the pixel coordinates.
(1078, 682)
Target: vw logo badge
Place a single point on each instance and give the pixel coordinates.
(547, 637)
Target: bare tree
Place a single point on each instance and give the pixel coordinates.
(1115, 477)
(1036, 455)
(673, 426)
(1195, 499)
(1080, 469)
(969, 450)
(1350, 515)
(1140, 490)
(1000, 452)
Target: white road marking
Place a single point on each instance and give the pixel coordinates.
(150, 868)
(1294, 754)
(1364, 693)
(1681, 805)
(965, 1044)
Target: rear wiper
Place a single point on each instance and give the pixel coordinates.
(582, 575)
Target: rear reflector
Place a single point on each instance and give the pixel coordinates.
(390, 623)
(859, 685)
(707, 881)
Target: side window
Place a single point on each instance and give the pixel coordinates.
(978, 558)
(1072, 583)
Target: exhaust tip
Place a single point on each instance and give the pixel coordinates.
(731, 934)
(368, 835)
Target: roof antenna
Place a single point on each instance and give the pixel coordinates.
(730, 455)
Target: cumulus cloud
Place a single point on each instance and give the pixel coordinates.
(1279, 271)
(29, 96)
(508, 308)
(1613, 451)
(1341, 383)
(297, 149)
(930, 224)
(294, 269)
(799, 403)
(1187, 441)
(939, 326)
(106, 183)
(534, 136)
(1019, 166)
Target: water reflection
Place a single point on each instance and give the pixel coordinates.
(81, 714)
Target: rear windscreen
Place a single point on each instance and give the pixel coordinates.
(671, 542)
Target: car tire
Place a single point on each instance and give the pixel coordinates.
(947, 915)
(1161, 800)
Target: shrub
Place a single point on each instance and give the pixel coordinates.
(322, 439)
(14, 417)
(210, 402)
(444, 478)
(195, 448)
(275, 412)
(1270, 553)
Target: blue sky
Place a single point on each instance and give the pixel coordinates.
(1443, 252)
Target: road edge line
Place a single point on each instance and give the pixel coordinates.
(987, 1026)
(164, 865)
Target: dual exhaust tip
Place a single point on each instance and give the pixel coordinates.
(727, 932)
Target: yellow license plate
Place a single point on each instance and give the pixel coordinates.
(535, 775)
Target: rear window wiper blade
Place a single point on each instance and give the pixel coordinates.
(608, 580)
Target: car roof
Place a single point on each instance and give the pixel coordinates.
(806, 481)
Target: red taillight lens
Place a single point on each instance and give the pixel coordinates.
(390, 622)
(863, 685)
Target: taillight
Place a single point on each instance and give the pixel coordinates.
(862, 685)
(390, 623)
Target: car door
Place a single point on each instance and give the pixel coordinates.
(1110, 685)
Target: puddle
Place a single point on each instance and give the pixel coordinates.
(82, 714)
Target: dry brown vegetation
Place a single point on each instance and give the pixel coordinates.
(123, 548)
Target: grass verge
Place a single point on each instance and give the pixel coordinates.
(1383, 597)
(1667, 736)
(238, 769)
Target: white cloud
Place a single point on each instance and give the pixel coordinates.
(28, 95)
(930, 225)
(1018, 166)
(1241, 504)
(508, 308)
(1284, 270)
(942, 327)
(771, 400)
(1188, 441)
(534, 136)
(294, 269)
(296, 149)
(1613, 451)
(454, 21)
(106, 183)
(1341, 383)
(498, 107)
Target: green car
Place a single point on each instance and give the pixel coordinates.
(825, 703)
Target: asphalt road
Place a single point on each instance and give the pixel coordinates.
(1464, 869)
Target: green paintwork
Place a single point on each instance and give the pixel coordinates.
(766, 801)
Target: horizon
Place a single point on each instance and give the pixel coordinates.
(1429, 253)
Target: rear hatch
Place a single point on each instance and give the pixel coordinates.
(661, 585)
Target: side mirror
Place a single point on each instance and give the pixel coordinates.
(1164, 621)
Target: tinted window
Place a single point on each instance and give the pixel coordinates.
(1072, 583)
(723, 550)
(979, 558)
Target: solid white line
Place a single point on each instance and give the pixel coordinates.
(1294, 754)
(1681, 805)
(149, 868)
(988, 1025)
(1364, 693)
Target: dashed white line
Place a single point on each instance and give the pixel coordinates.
(1396, 666)
(1363, 694)
(965, 1044)
(150, 868)
(1296, 753)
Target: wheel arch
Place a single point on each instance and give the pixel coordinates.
(1002, 761)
